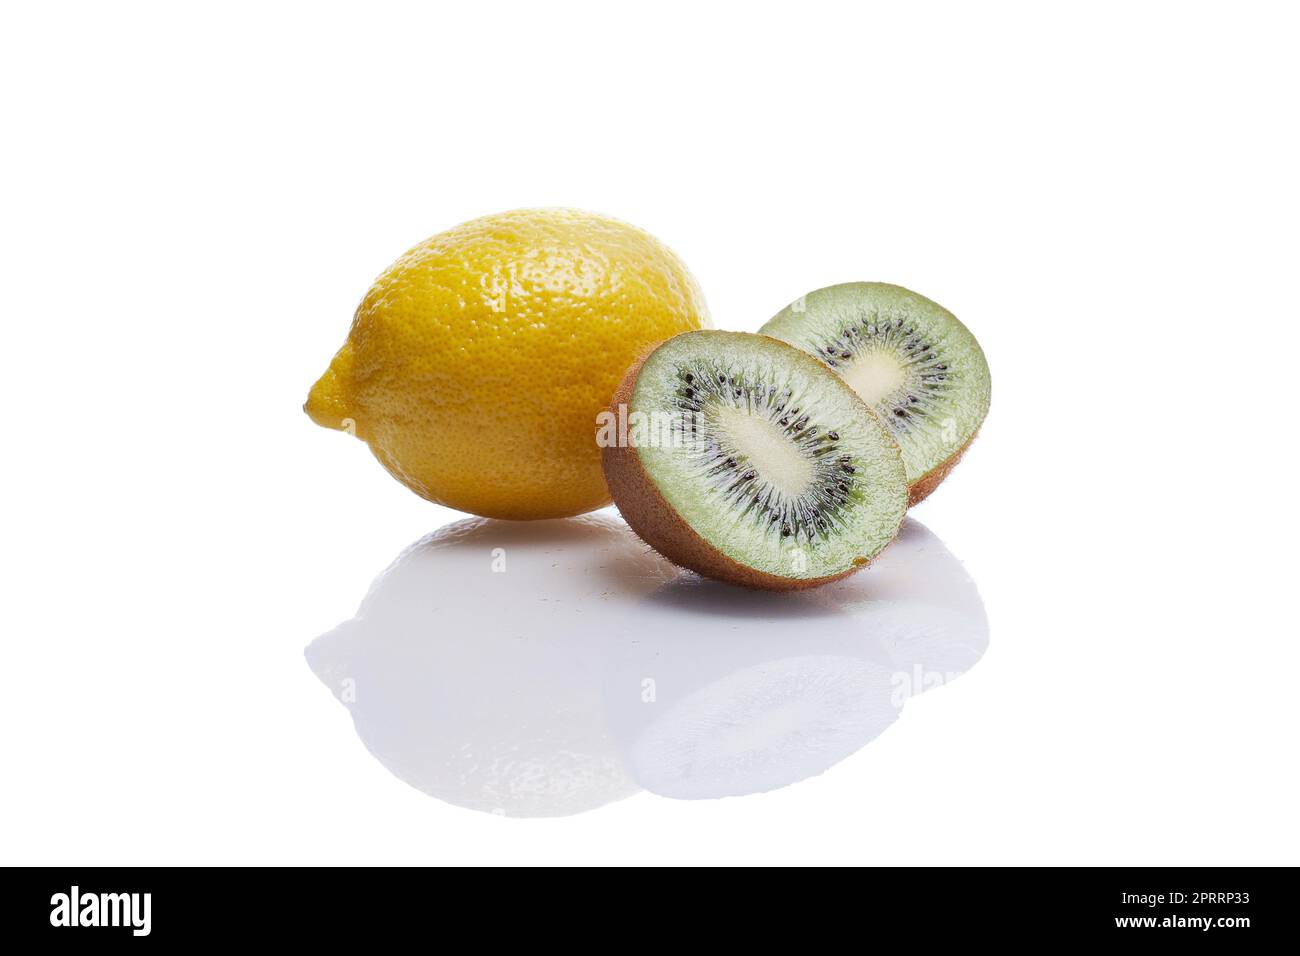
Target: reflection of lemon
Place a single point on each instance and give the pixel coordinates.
(477, 364)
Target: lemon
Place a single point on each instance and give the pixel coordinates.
(478, 362)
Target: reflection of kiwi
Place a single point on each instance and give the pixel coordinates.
(923, 606)
(712, 691)
(750, 462)
(909, 358)
(739, 693)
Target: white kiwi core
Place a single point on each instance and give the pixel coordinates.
(769, 448)
(875, 376)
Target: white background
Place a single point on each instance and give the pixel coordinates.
(195, 198)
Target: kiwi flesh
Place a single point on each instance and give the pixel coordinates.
(749, 461)
(910, 359)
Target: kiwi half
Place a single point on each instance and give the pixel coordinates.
(749, 461)
(910, 359)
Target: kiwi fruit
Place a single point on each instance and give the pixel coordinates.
(749, 461)
(910, 359)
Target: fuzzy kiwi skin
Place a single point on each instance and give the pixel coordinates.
(920, 489)
(658, 524)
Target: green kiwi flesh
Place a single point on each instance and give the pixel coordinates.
(910, 359)
(749, 461)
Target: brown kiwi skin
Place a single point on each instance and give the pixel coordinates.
(657, 524)
(920, 489)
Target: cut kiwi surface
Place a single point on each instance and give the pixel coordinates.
(749, 461)
(910, 359)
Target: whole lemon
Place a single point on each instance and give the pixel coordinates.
(478, 362)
